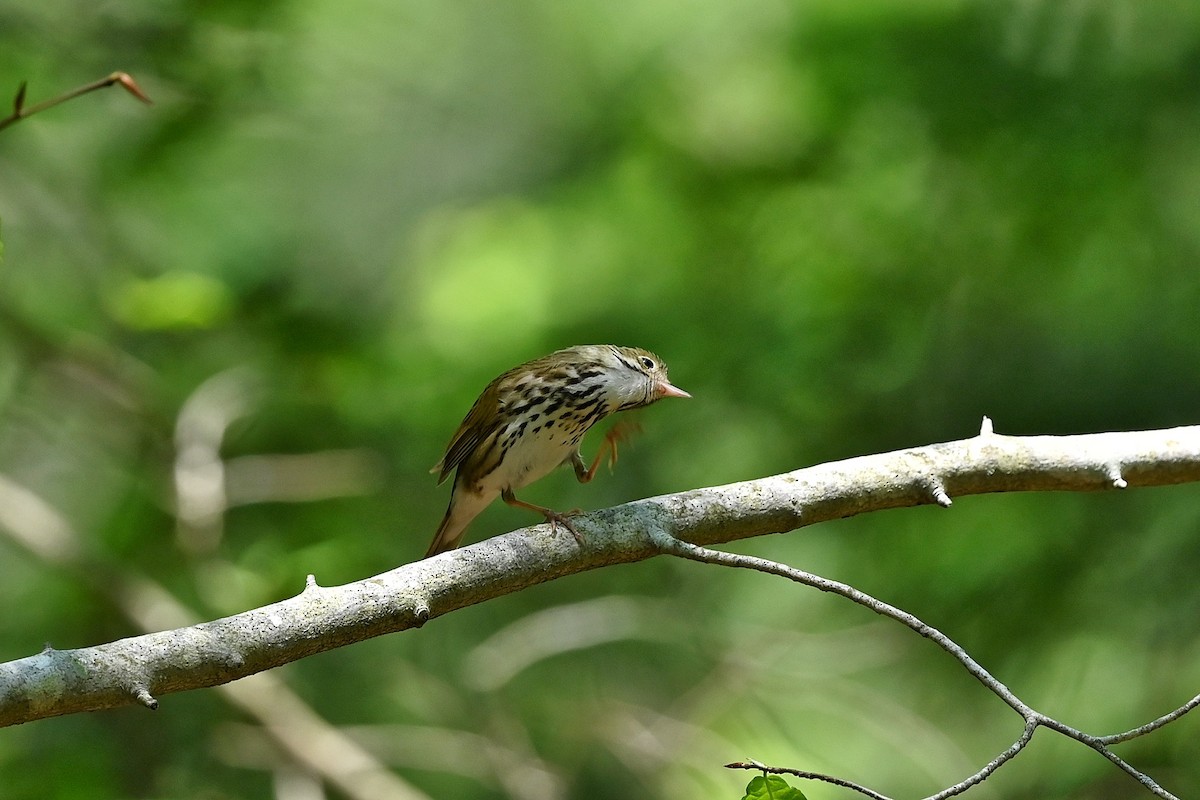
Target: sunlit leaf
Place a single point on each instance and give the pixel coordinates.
(771, 787)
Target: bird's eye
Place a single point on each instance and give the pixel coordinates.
(647, 362)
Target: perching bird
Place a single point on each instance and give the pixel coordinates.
(531, 419)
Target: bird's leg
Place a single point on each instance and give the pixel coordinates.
(617, 433)
(553, 517)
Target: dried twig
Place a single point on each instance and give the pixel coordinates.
(1033, 718)
(21, 111)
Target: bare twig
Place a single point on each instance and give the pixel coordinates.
(808, 776)
(1033, 719)
(21, 111)
(1142, 730)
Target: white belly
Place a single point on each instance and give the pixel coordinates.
(531, 458)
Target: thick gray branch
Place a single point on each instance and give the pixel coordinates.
(142, 668)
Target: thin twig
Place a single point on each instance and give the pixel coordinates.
(1100, 747)
(21, 111)
(1005, 756)
(1141, 730)
(809, 776)
(1033, 719)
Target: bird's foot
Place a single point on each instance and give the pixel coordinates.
(623, 431)
(553, 517)
(556, 518)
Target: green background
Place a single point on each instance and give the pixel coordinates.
(847, 228)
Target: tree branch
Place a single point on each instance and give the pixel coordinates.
(142, 668)
(1033, 719)
(297, 731)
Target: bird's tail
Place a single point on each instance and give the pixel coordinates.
(463, 508)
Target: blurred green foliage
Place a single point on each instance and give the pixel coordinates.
(238, 326)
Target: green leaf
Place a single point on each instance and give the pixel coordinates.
(771, 787)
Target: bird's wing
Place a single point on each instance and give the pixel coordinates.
(477, 427)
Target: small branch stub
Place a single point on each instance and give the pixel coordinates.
(1114, 475)
(144, 697)
(938, 490)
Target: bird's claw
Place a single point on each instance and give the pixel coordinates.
(555, 519)
(621, 432)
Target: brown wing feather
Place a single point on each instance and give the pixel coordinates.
(479, 424)
(485, 418)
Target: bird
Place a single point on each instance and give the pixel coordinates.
(531, 420)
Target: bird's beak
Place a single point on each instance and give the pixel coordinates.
(664, 389)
